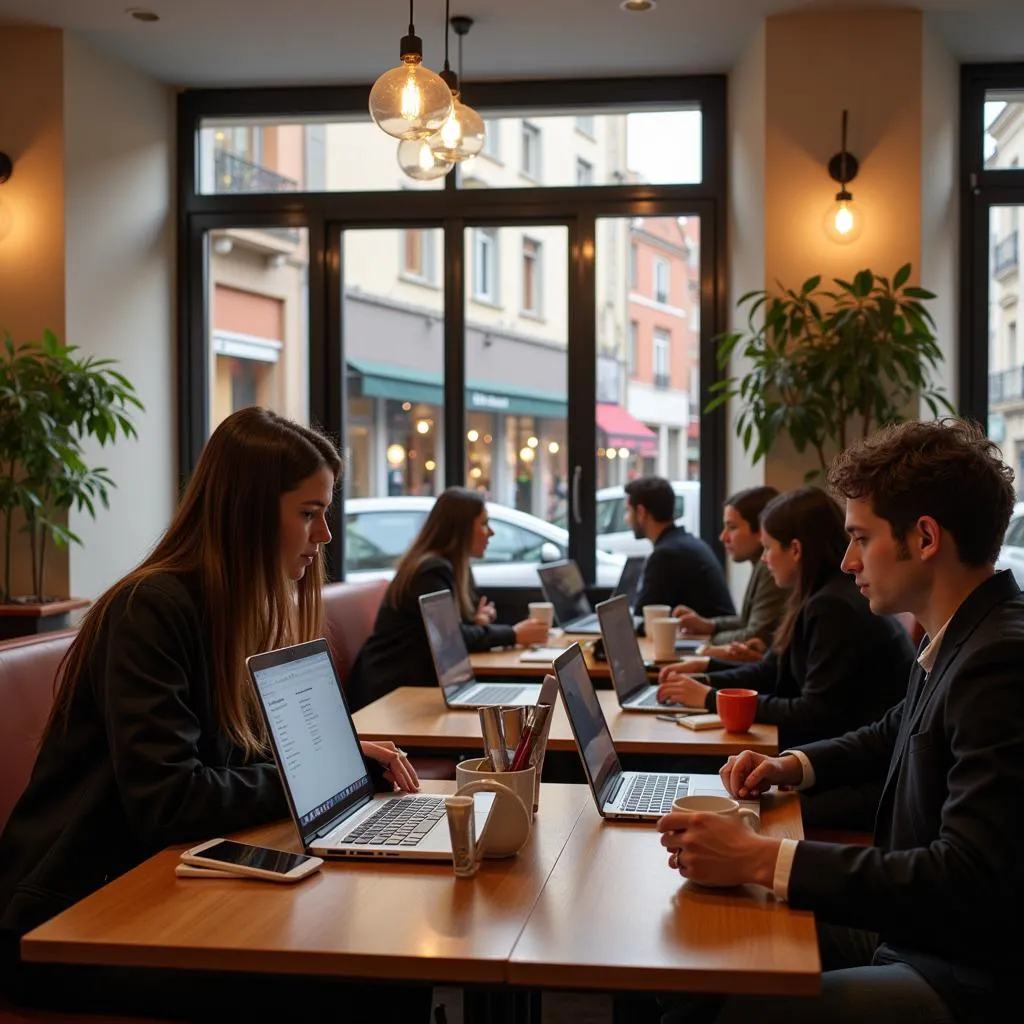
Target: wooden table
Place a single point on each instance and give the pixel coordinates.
(366, 919)
(416, 717)
(613, 916)
(587, 904)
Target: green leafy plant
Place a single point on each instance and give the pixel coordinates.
(51, 401)
(829, 366)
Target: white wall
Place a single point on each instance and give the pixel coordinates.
(119, 269)
(940, 228)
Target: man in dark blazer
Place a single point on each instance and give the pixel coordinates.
(924, 925)
(682, 569)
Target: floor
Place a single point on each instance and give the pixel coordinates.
(556, 1007)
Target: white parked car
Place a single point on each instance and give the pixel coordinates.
(1011, 554)
(614, 535)
(378, 531)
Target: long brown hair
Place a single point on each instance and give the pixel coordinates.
(446, 534)
(810, 516)
(226, 530)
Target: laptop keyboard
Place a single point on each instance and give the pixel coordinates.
(497, 694)
(403, 821)
(587, 622)
(653, 793)
(650, 700)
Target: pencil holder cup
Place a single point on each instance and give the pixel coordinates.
(511, 819)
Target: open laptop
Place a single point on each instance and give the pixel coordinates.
(632, 686)
(330, 794)
(562, 584)
(459, 686)
(636, 796)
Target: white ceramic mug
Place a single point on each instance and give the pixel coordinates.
(652, 612)
(542, 611)
(663, 633)
(511, 819)
(708, 803)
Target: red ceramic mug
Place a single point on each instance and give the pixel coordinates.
(736, 708)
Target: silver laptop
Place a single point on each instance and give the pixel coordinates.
(562, 584)
(636, 796)
(459, 686)
(633, 688)
(329, 791)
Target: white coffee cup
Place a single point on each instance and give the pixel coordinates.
(652, 612)
(708, 803)
(663, 633)
(542, 611)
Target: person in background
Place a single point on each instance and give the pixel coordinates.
(918, 926)
(743, 637)
(682, 569)
(812, 683)
(155, 737)
(397, 652)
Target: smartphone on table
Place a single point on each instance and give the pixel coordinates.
(252, 861)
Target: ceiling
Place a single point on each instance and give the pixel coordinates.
(302, 42)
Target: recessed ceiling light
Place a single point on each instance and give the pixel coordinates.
(141, 14)
(638, 5)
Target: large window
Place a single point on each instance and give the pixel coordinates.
(498, 328)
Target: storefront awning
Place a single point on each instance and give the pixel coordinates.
(383, 380)
(622, 429)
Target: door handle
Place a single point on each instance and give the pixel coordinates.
(577, 474)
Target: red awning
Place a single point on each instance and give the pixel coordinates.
(621, 429)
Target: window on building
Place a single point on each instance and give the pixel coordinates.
(485, 265)
(418, 255)
(492, 138)
(661, 280)
(533, 277)
(1012, 359)
(531, 161)
(584, 172)
(634, 265)
(661, 351)
(585, 124)
(631, 348)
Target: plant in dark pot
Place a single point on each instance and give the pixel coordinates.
(826, 367)
(51, 402)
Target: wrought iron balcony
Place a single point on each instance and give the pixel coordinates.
(1006, 385)
(1005, 255)
(236, 174)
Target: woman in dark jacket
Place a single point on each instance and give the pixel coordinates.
(155, 737)
(397, 653)
(833, 665)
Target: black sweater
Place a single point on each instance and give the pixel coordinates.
(397, 652)
(844, 667)
(140, 765)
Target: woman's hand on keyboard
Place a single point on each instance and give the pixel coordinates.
(399, 770)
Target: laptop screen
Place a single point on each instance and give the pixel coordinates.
(314, 740)
(621, 648)
(629, 581)
(563, 586)
(444, 634)
(593, 738)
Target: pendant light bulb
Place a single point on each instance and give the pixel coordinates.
(410, 101)
(462, 136)
(419, 162)
(844, 219)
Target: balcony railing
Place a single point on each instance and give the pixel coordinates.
(235, 174)
(1004, 257)
(661, 380)
(1006, 385)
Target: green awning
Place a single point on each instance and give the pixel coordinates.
(383, 380)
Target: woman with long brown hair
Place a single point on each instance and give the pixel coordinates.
(155, 736)
(397, 653)
(833, 664)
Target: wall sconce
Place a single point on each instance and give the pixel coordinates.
(842, 223)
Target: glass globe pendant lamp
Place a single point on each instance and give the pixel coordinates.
(410, 101)
(420, 162)
(462, 135)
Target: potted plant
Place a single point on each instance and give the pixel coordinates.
(829, 366)
(51, 401)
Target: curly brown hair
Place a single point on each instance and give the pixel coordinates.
(947, 469)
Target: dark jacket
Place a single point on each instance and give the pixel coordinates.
(764, 602)
(944, 882)
(397, 652)
(682, 569)
(844, 667)
(140, 765)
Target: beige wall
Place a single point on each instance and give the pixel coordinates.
(32, 253)
(119, 279)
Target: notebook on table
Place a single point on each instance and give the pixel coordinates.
(459, 686)
(562, 584)
(325, 778)
(631, 795)
(634, 690)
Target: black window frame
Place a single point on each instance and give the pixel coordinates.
(450, 209)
